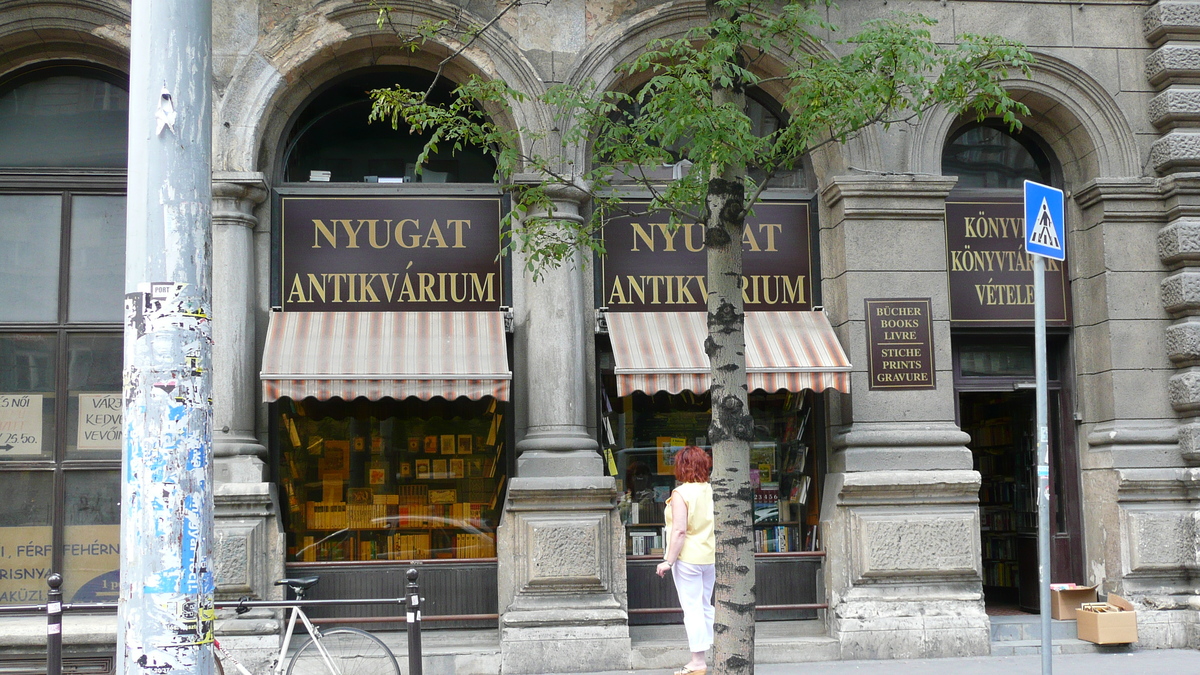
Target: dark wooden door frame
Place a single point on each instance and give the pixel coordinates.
(1066, 498)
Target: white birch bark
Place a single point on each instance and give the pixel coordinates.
(732, 427)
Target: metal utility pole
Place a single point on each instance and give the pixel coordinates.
(1043, 460)
(166, 600)
(1045, 237)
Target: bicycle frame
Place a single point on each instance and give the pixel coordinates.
(281, 659)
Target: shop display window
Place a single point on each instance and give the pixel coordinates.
(391, 480)
(644, 432)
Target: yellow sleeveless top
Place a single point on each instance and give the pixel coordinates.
(700, 544)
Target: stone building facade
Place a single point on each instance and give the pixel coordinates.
(905, 490)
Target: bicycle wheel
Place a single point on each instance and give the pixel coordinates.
(351, 652)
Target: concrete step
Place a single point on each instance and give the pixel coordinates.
(796, 650)
(1029, 627)
(1059, 646)
(657, 647)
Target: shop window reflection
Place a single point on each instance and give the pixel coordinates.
(644, 432)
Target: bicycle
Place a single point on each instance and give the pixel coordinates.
(335, 651)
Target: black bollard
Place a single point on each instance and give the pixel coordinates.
(414, 624)
(54, 625)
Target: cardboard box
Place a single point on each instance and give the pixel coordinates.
(1064, 602)
(1110, 623)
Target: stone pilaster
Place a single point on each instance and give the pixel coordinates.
(560, 543)
(1160, 543)
(250, 541)
(900, 518)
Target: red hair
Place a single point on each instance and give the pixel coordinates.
(692, 465)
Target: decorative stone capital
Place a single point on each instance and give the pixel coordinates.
(1177, 105)
(1171, 19)
(1174, 63)
(1183, 342)
(1180, 293)
(1179, 242)
(1178, 150)
(235, 195)
(888, 197)
(1183, 391)
(1189, 443)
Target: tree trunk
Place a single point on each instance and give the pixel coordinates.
(732, 428)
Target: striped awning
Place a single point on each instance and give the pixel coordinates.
(664, 351)
(385, 354)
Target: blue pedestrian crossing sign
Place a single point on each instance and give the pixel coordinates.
(1045, 232)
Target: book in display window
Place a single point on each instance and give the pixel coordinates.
(390, 480)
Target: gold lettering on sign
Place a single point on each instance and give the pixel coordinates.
(408, 233)
(648, 236)
(364, 287)
(675, 289)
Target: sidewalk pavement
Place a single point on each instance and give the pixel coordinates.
(1147, 662)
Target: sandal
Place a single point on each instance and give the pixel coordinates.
(688, 670)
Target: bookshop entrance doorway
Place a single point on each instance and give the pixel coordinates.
(1002, 424)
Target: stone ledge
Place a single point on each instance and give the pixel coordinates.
(81, 629)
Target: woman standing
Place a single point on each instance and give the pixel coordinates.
(691, 551)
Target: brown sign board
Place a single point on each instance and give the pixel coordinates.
(900, 343)
(390, 253)
(989, 274)
(649, 267)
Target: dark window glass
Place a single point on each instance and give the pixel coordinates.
(64, 121)
(97, 258)
(1010, 358)
(984, 156)
(332, 134)
(29, 253)
(26, 535)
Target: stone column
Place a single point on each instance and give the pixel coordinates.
(249, 537)
(560, 542)
(1158, 505)
(900, 517)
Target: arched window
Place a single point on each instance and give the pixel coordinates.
(71, 116)
(766, 117)
(987, 155)
(63, 136)
(332, 134)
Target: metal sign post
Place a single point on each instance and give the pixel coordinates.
(1044, 238)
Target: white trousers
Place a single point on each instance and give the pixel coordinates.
(694, 585)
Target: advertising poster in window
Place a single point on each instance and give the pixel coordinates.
(24, 563)
(99, 422)
(20, 424)
(91, 563)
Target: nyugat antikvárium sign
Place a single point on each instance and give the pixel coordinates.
(649, 267)
(989, 274)
(390, 254)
